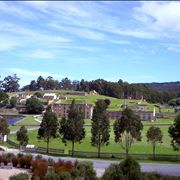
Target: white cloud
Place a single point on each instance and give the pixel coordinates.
(174, 49)
(160, 16)
(31, 73)
(41, 54)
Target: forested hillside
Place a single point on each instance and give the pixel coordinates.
(166, 86)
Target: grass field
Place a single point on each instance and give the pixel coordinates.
(138, 147)
(28, 120)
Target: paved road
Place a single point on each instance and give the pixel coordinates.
(101, 165)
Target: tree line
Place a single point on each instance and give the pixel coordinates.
(117, 89)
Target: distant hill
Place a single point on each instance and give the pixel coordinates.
(165, 86)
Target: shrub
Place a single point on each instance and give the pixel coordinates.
(85, 169)
(19, 155)
(131, 169)
(20, 176)
(28, 159)
(62, 166)
(22, 162)
(51, 175)
(5, 161)
(38, 156)
(15, 161)
(113, 172)
(64, 176)
(39, 168)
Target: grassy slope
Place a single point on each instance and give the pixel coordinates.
(28, 120)
(138, 147)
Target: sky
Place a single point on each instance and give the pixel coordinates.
(134, 41)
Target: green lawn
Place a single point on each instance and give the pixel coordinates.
(28, 120)
(138, 147)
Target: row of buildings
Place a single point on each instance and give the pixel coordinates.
(62, 111)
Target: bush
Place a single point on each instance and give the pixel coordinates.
(113, 172)
(15, 161)
(64, 176)
(28, 159)
(63, 166)
(22, 162)
(131, 169)
(85, 169)
(38, 156)
(39, 168)
(20, 176)
(51, 176)
(156, 176)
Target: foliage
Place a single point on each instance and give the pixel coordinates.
(48, 127)
(71, 128)
(129, 123)
(156, 176)
(64, 176)
(20, 176)
(51, 175)
(38, 94)
(174, 132)
(100, 125)
(15, 161)
(63, 166)
(131, 169)
(154, 135)
(11, 83)
(13, 102)
(3, 96)
(4, 128)
(22, 136)
(34, 106)
(113, 172)
(85, 170)
(39, 168)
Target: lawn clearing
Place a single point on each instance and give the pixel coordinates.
(138, 147)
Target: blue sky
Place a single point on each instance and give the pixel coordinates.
(133, 41)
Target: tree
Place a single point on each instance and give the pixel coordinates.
(100, 125)
(48, 127)
(22, 136)
(71, 128)
(174, 132)
(4, 128)
(154, 135)
(3, 96)
(33, 85)
(34, 106)
(13, 101)
(11, 83)
(128, 126)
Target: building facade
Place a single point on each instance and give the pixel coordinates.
(62, 110)
(144, 115)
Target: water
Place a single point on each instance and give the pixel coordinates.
(13, 119)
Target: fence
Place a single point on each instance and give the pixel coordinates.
(160, 157)
(36, 149)
(84, 154)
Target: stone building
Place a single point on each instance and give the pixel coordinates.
(144, 115)
(62, 109)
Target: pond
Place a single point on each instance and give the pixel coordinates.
(13, 119)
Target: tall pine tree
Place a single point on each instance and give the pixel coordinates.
(100, 125)
(71, 128)
(48, 127)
